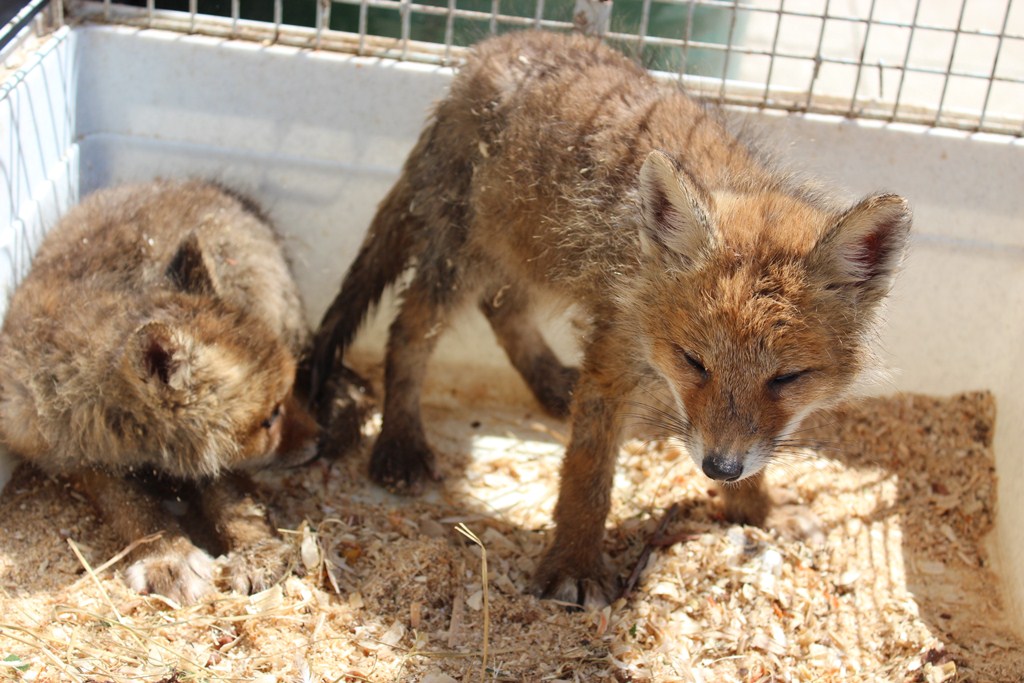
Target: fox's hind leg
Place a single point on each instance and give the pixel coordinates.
(402, 458)
(508, 309)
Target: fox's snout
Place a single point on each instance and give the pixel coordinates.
(722, 466)
(299, 432)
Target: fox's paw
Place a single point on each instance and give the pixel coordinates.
(257, 567)
(555, 393)
(402, 465)
(344, 414)
(797, 522)
(589, 582)
(182, 573)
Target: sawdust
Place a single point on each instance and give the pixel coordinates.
(900, 591)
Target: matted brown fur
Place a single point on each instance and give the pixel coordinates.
(156, 335)
(727, 300)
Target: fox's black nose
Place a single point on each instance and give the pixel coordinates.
(722, 467)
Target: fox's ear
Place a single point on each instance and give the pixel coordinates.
(189, 270)
(864, 247)
(164, 354)
(675, 211)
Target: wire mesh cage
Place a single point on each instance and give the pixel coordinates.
(955, 63)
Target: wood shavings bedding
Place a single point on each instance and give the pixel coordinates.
(899, 591)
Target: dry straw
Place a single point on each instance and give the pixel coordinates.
(464, 530)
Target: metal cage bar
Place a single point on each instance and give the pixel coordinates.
(952, 59)
(818, 61)
(860, 62)
(645, 22)
(766, 95)
(995, 63)
(14, 22)
(733, 15)
(906, 60)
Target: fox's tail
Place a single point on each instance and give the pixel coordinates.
(383, 256)
(413, 209)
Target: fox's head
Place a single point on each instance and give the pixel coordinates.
(758, 307)
(212, 384)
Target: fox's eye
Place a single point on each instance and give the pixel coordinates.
(274, 414)
(692, 361)
(778, 382)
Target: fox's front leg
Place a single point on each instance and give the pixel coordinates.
(749, 502)
(257, 556)
(171, 565)
(574, 567)
(508, 309)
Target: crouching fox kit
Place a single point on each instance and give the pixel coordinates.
(157, 334)
(728, 298)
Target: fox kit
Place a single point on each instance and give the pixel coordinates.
(157, 334)
(556, 167)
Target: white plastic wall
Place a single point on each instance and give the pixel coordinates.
(318, 138)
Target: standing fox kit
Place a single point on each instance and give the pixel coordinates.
(157, 334)
(556, 167)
